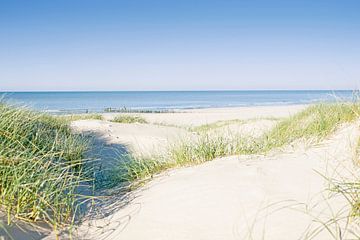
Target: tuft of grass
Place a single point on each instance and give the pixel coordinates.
(76, 117)
(40, 166)
(137, 169)
(219, 124)
(338, 223)
(129, 119)
(357, 153)
(317, 121)
(351, 191)
(206, 127)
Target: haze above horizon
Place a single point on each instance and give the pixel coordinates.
(90, 45)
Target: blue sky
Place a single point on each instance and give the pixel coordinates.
(179, 45)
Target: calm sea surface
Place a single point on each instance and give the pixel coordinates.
(165, 100)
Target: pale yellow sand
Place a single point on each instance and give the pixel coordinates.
(165, 129)
(228, 198)
(142, 139)
(223, 198)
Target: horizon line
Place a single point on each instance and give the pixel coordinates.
(211, 90)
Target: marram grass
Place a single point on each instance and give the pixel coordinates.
(76, 117)
(211, 126)
(225, 123)
(40, 159)
(351, 191)
(40, 166)
(129, 119)
(316, 122)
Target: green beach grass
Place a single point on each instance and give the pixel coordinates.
(211, 126)
(351, 191)
(40, 166)
(76, 117)
(315, 122)
(41, 160)
(128, 119)
(219, 124)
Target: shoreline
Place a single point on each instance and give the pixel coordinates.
(164, 110)
(99, 102)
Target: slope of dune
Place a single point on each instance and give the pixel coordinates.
(235, 197)
(141, 139)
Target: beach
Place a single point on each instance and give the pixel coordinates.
(236, 197)
(276, 194)
(179, 120)
(162, 129)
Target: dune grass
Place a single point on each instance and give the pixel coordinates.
(207, 127)
(128, 119)
(76, 117)
(351, 191)
(40, 166)
(219, 124)
(316, 122)
(137, 170)
(41, 160)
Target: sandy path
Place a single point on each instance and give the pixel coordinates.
(221, 198)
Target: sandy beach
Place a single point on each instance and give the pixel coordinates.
(163, 129)
(235, 197)
(238, 197)
(278, 195)
(180, 120)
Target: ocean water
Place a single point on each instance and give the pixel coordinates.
(165, 100)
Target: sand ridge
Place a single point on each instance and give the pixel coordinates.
(269, 196)
(165, 129)
(222, 198)
(231, 197)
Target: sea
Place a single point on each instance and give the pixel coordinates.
(58, 102)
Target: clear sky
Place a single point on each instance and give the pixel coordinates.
(179, 44)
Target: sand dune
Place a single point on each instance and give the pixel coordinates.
(228, 198)
(168, 128)
(141, 139)
(274, 197)
(221, 199)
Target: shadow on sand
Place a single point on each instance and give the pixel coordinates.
(106, 192)
(104, 195)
